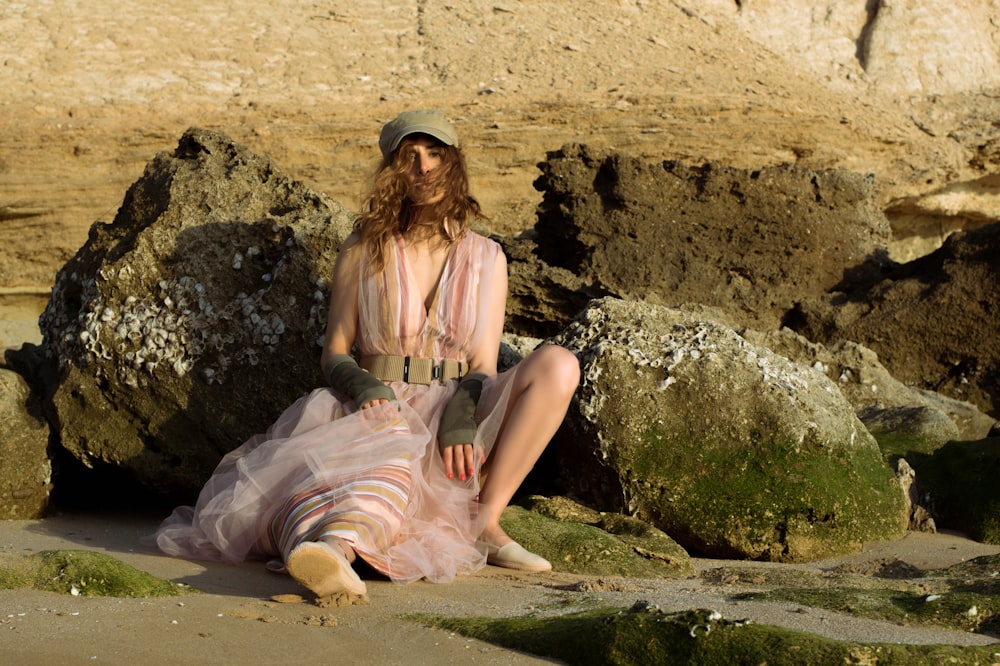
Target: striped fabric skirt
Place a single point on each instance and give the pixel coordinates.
(367, 513)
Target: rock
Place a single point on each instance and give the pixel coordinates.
(870, 388)
(919, 518)
(542, 299)
(933, 322)
(749, 242)
(903, 47)
(931, 46)
(583, 541)
(910, 428)
(730, 449)
(189, 323)
(824, 40)
(958, 485)
(25, 468)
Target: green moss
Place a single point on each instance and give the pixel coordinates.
(89, 573)
(950, 610)
(590, 549)
(896, 445)
(645, 635)
(964, 597)
(821, 504)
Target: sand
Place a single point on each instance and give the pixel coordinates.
(236, 619)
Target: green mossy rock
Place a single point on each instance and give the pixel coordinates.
(965, 596)
(82, 573)
(644, 635)
(578, 540)
(903, 431)
(732, 450)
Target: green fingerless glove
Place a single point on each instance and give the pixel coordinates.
(343, 374)
(458, 421)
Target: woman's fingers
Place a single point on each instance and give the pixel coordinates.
(469, 455)
(460, 461)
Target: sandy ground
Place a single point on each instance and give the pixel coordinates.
(236, 621)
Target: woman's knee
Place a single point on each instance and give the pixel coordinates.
(559, 367)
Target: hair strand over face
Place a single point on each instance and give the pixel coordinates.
(389, 208)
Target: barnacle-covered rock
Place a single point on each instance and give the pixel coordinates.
(730, 449)
(188, 323)
(899, 415)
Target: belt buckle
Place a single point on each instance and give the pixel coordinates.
(437, 371)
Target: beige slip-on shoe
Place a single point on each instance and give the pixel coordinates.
(323, 568)
(513, 556)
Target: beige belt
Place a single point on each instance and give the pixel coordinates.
(414, 370)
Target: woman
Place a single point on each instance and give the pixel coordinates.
(385, 464)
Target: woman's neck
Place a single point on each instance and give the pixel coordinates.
(423, 229)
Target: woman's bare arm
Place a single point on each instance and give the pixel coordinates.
(342, 317)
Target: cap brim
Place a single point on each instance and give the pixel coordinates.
(435, 132)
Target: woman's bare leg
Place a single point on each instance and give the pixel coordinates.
(545, 382)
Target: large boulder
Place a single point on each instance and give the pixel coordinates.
(933, 322)
(884, 403)
(25, 468)
(730, 449)
(750, 242)
(187, 324)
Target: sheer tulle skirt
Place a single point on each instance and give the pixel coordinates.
(373, 477)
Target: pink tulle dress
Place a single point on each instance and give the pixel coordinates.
(375, 477)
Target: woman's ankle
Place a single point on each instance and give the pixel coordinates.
(345, 548)
(494, 535)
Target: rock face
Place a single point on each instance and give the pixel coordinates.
(730, 449)
(543, 299)
(751, 243)
(191, 321)
(933, 322)
(956, 45)
(903, 46)
(25, 470)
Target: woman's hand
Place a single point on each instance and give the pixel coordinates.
(374, 403)
(460, 461)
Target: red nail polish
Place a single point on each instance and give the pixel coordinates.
(449, 475)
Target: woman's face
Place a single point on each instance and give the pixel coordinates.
(423, 156)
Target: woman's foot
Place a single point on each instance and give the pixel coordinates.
(513, 555)
(502, 551)
(323, 568)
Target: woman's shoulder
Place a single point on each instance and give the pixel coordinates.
(349, 255)
(481, 243)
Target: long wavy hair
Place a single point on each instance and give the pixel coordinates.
(389, 208)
